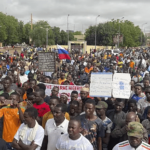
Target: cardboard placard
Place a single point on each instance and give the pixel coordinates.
(47, 61)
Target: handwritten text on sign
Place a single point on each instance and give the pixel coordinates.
(46, 61)
(121, 85)
(63, 89)
(101, 85)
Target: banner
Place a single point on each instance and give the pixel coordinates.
(101, 84)
(63, 89)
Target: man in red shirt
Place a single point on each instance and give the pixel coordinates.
(39, 103)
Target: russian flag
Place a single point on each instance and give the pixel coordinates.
(63, 54)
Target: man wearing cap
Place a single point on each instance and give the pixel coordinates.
(84, 96)
(101, 108)
(120, 132)
(135, 135)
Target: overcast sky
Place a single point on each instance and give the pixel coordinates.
(82, 12)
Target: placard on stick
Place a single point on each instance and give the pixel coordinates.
(101, 85)
(121, 85)
(46, 61)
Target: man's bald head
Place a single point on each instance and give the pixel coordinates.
(130, 117)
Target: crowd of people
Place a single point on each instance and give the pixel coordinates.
(32, 120)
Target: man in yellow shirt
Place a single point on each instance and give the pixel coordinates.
(62, 78)
(120, 63)
(49, 115)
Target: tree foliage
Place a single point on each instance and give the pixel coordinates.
(13, 31)
(106, 31)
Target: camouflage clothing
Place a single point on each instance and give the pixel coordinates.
(135, 129)
(101, 104)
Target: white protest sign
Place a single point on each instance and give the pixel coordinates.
(121, 85)
(101, 85)
(63, 89)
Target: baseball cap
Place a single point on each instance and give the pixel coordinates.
(135, 129)
(102, 104)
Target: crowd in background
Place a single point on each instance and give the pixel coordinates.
(32, 120)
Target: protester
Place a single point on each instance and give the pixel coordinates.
(73, 139)
(49, 115)
(73, 110)
(121, 132)
(93, 128)
(135, 135)
(117, 116)
(39, 104)
(23, 77)
(55, 127)
(62, 78)
(7, 86)
(101, 108)
(12, 119)
(30, 134)
(103, 119)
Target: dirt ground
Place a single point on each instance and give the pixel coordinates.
(11, 50)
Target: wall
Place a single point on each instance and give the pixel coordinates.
(79, 37)
(88, 47)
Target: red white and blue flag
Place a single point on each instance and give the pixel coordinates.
(63, 54)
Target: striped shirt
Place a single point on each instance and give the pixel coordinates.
(126, 146)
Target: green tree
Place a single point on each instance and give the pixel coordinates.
(27, 30)
(21, 32)
(57, 35)
(106, 31)
(64, 37)
(38, 34)
(71, 36)
(77, 33)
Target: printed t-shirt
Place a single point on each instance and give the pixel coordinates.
(38, 139)
(49, 115)
(11, 122)
(95, 129)
(42, 109)
(65, 143)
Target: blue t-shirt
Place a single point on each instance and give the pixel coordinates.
(135, 97)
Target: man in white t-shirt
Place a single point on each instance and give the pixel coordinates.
(73, 140)
(23, 77)
(30, 134)
(55, 127)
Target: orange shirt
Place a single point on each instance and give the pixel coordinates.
(49, 115)
(121, 54)
(87, 70)
(11, 122)
(109, 56)
(131, 64)
(60, 81)
(25, 96)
